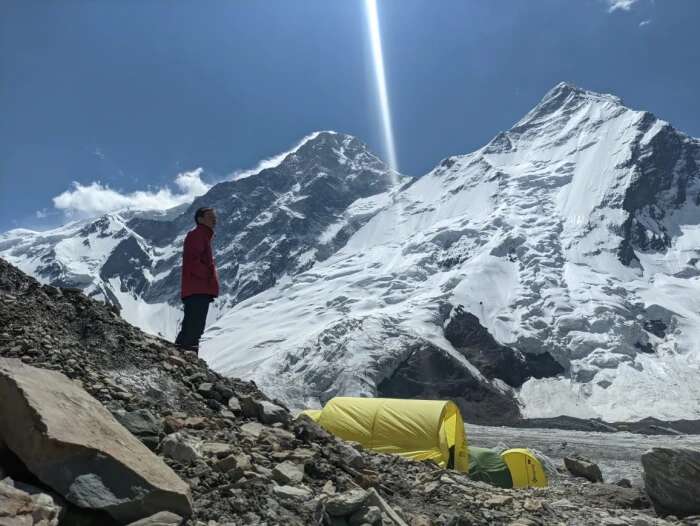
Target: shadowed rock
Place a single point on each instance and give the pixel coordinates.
(672, 480)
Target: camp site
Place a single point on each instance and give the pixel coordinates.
(349, 263)
(427, 430)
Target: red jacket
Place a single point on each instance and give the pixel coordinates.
(198, 270)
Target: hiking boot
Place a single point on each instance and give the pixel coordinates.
(188, 348)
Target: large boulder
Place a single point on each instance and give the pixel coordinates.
(581, 467)
(672, 480)
(75, 446)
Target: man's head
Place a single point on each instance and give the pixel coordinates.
(205, 216)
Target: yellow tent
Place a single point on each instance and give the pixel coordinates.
(525, 469)
(415, 429)
(313, 414)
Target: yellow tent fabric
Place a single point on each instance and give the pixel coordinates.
(313, 414)
(415, 429)
(525, 469)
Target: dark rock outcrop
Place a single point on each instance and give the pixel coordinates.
(479, 402)
(470, 338)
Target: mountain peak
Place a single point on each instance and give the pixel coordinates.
(563, 100)
(566, 92)
(315, 140)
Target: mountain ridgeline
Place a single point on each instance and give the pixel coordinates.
(271, 223)
(551, 272)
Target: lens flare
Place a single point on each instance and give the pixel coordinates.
(380, 76)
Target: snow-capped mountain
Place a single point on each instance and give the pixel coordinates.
(553, 271)
(279, 220)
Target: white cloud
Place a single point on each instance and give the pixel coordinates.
(96, 198)
(191, 183)
(644, 23)
(623, 5)
(41, 214)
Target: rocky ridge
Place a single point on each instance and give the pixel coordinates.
(274, 221)
(243, 456)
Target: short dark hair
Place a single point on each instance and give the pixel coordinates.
(200, 213)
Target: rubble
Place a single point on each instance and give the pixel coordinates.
(242, 467)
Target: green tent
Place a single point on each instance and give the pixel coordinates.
(487, 465)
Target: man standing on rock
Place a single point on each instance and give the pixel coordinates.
(200, 281)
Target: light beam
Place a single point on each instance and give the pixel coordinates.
(380, 76)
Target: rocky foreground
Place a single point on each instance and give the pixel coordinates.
(118, 427)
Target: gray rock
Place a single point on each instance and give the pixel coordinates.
(288, 473)
(275, 435)
(351, 456)
(208, 391)
(180, 447)
(308, 430)
(234, 405)
(620, 497)
(252, 428)
(249, 407)
(291, 492)
(205, 389)
(303, 455)
(262, 470)
(163, 518)
(672, 480)
(141, 422)
(241, 462)
(225, 391)
(75, 446)
(271, 413)
(346, 503)
(369, 515)
(216, 449)
(580, 467)
(225, 413)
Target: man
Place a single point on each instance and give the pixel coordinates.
(200, 282)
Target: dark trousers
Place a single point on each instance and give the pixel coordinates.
(196, 308)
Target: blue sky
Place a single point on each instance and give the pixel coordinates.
(128, 99)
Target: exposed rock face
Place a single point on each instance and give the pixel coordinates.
(672, 480)
(74, 445)
(479, 402)
(494, 360)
